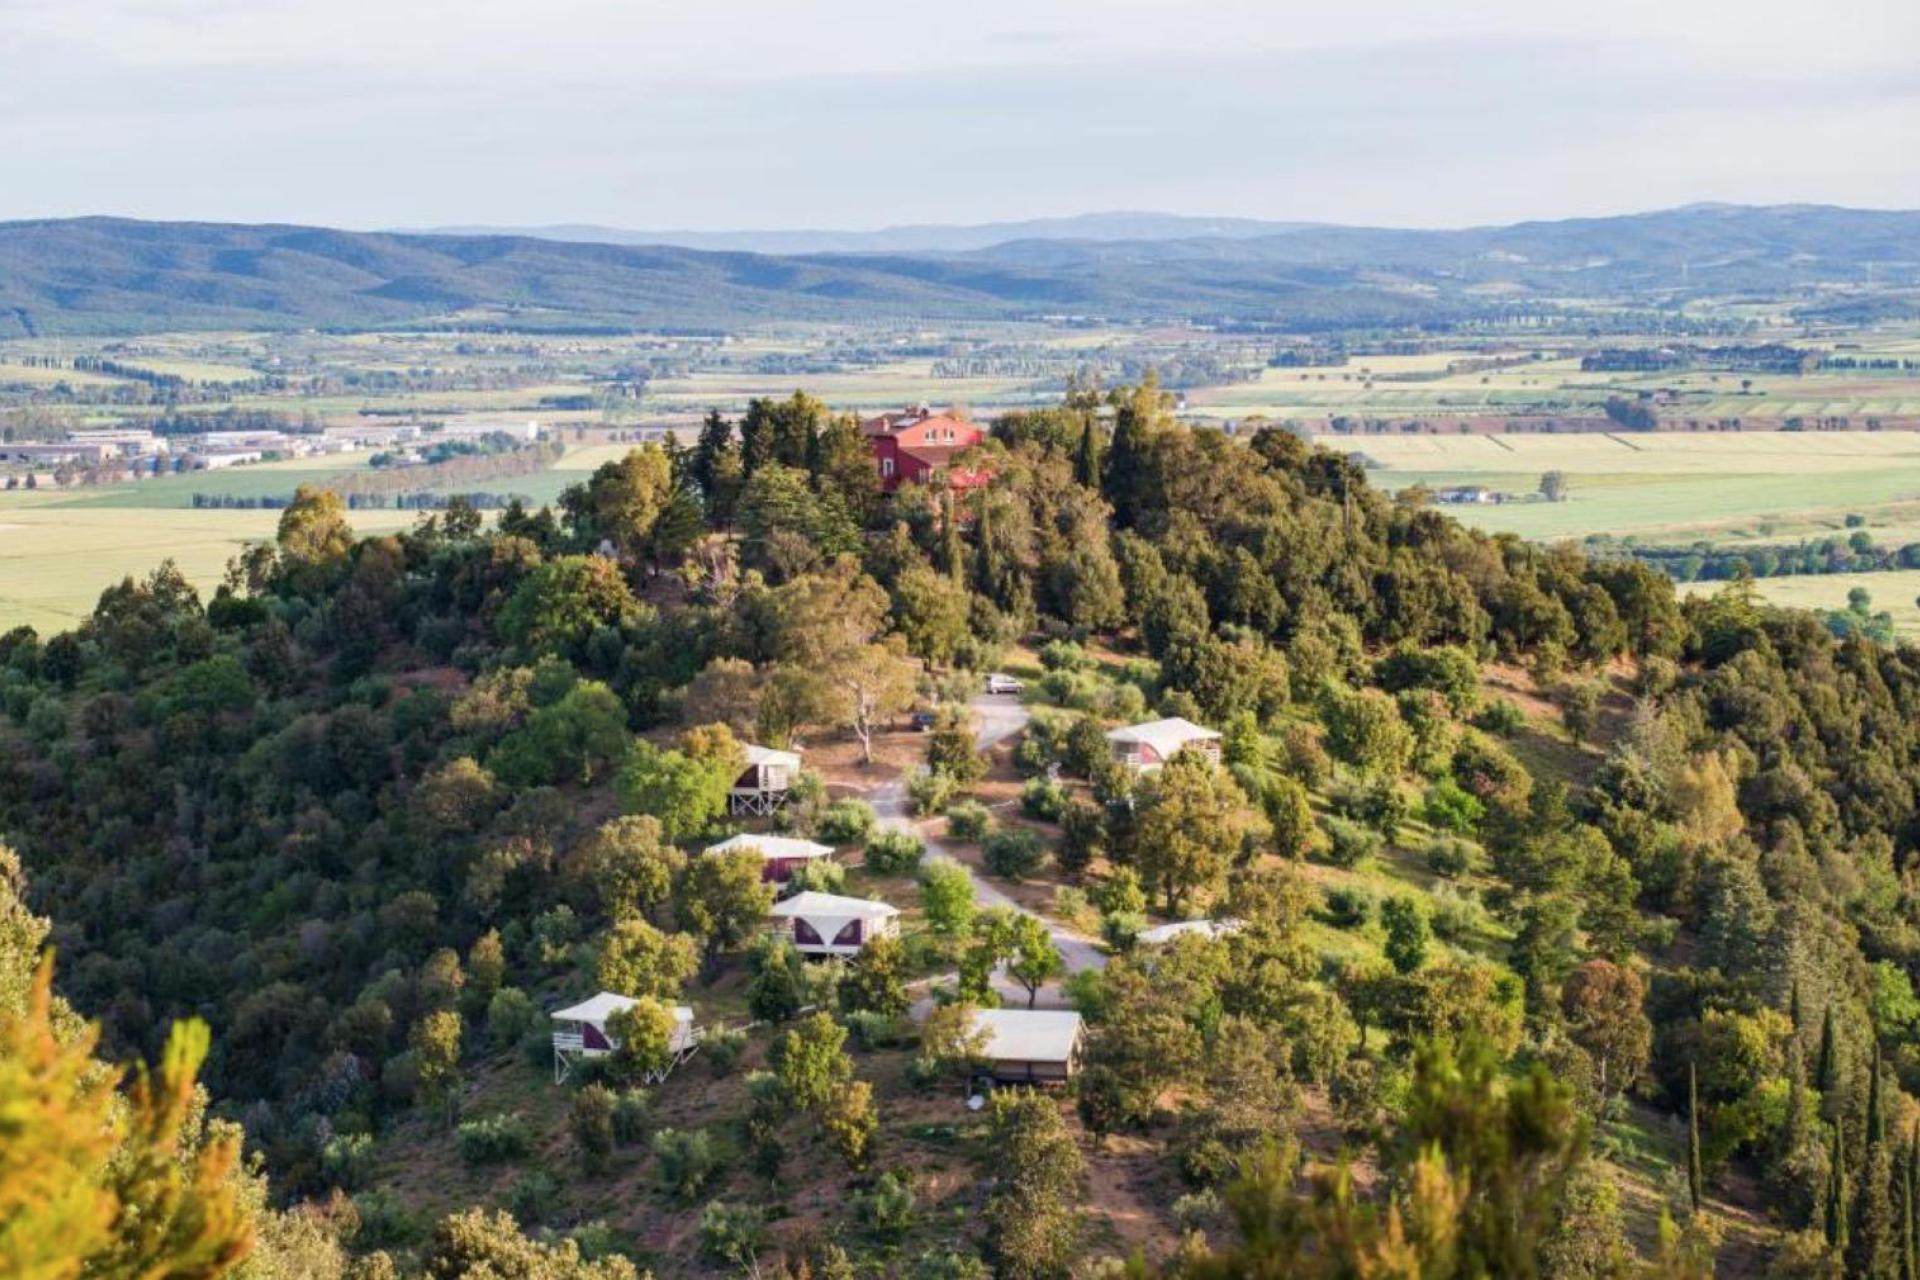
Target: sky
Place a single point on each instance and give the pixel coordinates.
(713, 114)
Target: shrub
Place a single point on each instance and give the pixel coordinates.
(590, 1120)
(871, 1030)
(1013, 853)
(1407, 932)
(969, 821)
(1457, 915)
(685, 1161)
(1350, 906)
(731, 1233)
(1501, 717)
(895, 853)
(887, 1210)
(1349, 844)
(1197, 1210)
(847, 821)
(1118, 929)
(510, 1016)
(384, 1221)
(1306, 760)
(822, 875)
(1121, 892)
(347, 1160)
(534, 1196)
(1043, 799)
(1375, 800)
(1450, 856)
(930, 791)
(630, 1109)
(1452, 807)
(723, 1049)
(493, 1139)
(1065, 655)
(1083, 832)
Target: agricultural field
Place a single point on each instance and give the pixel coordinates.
(1663, 486)
(56, 557)
(1894, 591)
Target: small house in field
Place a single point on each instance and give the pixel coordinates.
(580, 1031)
(780, 855)
(762, 787)
(830, 924)
(1030, 1046)
(1145, 747)
(1161, 934)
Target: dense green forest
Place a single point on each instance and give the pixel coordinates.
(1576, 926)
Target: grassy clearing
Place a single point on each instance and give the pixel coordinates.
(55, 560)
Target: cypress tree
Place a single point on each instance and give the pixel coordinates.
(1693, 1138)
(1793, 1006)
(1876, 1121)
(955, 563)
(1911, 1245)
(1907, 1256)
(1837, 1194)
(1086, 462)
(1823, 1065)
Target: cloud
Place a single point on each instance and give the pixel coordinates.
(867, 112)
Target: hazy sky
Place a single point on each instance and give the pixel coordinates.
(860, 113)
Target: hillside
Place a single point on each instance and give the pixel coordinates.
(106, 275)
(1544, 885)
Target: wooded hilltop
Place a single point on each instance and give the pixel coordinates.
(1573, 927)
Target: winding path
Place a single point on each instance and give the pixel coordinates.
(997, 717)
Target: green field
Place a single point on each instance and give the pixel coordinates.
(1894, 592)
(1662, 486)
(56, 558)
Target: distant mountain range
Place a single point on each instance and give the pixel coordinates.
(919, 238)
(112, 275)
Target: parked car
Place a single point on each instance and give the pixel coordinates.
(922, 719)
(999, 682)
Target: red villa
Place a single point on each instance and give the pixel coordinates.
(919, 444)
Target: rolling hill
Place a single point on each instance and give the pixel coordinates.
(111, 275)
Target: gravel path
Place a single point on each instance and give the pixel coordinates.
(997, 717)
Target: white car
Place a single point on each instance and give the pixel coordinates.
(998, 683)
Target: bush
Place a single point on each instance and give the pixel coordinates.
(1450, 856)
(510, 1016)
(723, 1050)
(822, 875)
(1375, 800)
(846, 821)
(969, 822)
(731, 1233)
(1013, 853)
(1306, 760)
(1349, 844)
(930, 791)
(1457, 915)
(1351, 906)
(534, 1196)
(630, 1110)
(870, 1030)
(895, 853)
(1043, 799)
(685, 1161)
(493, 1139)
(590, 1120)
(887, 1210)
(1065, 655)
(347, 1160)
(1501, 717)
(1118, 929)
(384, 1221)
(1452, 807)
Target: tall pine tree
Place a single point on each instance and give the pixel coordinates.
(1824, 1065)
(1694, 1174)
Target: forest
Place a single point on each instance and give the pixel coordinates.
(323, 846)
